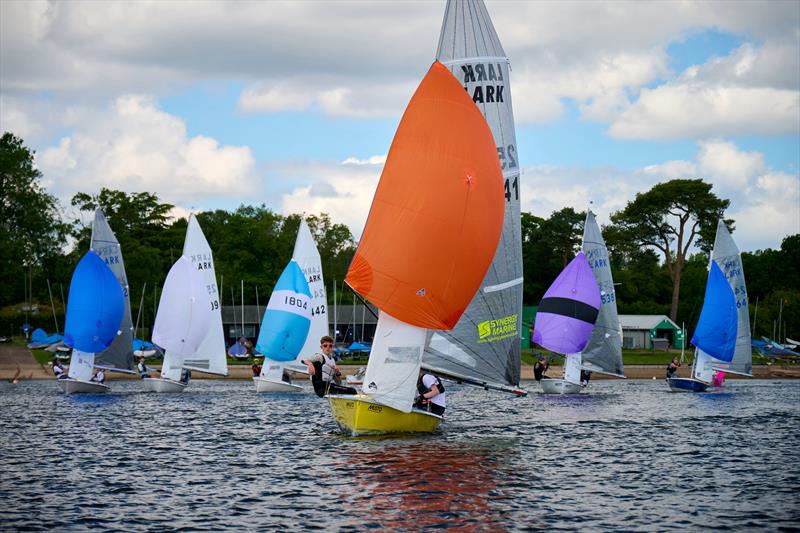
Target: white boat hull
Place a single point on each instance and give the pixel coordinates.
(71, 386)
(268, 385)
(559, 386)
(162, 385)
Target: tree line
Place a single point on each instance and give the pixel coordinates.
(658, 246)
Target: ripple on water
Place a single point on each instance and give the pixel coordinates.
(630, 456)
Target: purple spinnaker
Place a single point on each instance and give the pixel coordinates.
(568, 309)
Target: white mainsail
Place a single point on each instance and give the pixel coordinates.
(210, 356)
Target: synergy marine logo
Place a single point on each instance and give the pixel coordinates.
(495, 330)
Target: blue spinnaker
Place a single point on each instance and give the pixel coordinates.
(288, 317)
(94, 307)
(716, 330)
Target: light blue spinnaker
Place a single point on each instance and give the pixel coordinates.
(716, 330)
(94, 307)
(288, 317)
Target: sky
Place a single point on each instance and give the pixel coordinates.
(211, 105)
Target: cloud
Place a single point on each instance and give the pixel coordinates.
(750, 91)
(343, 190)
(134, 146)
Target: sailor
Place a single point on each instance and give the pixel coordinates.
(672, 368)
(431, 393)
(325, 377)
(256, 368)
(540, 368)
(144, 372)
(186, 375)
(99, 376)
(58, 369)
(585, 377)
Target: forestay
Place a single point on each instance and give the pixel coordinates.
(118, 356)
(603, 352)
(210, 354)
(484, 346)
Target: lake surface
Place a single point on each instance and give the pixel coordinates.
(628, 456)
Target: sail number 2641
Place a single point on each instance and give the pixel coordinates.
(508, 159)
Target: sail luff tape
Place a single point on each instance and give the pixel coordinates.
(481, 59)
(503, 286)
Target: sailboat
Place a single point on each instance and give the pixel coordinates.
(565, 321)
(118, 356)
(722, 335)
(307, 258)
(191, 308)
(94, 313)
(603, 351)
(430, 237)
(284, 329)
(484, 346)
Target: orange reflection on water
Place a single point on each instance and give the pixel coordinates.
(423, 485)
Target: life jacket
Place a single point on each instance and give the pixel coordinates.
(422, 389)
(323, 370)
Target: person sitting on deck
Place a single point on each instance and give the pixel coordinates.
(585, 377)
(144, 372)
(325, 377)
(99, 376)
(58, 369)
(431, 395)
(540, 368)
(186, 375)
(672, 368)
(256, 368)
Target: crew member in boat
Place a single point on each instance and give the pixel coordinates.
(431, 395)
(325, 377)
(186, 375)
(672, 368)
(256, 368)
(540, 368)
(144, 372)
(58, 369)
(99, 376)
(585, 377)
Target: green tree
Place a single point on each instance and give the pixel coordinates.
(31, 229)
(671, 218)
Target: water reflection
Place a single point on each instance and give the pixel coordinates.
(430, 484)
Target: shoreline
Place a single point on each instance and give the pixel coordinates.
(15, 357)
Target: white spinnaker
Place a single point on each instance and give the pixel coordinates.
(81, 365)
(183, 316)
(394, 362)
(307, 258)
(210, 355)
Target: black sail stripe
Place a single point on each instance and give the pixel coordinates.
(569, 308)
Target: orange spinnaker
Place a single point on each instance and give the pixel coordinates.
(437, 214)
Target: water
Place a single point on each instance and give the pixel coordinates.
(630, 456)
